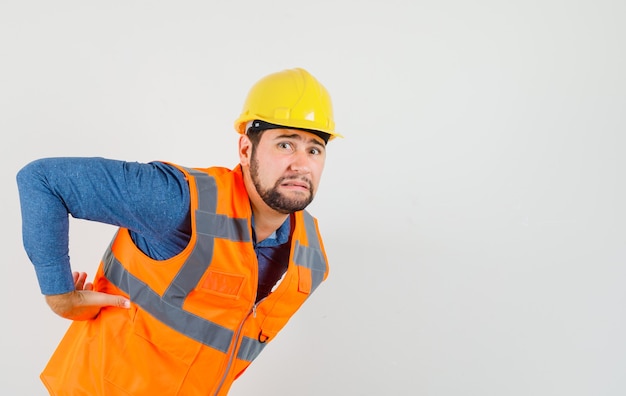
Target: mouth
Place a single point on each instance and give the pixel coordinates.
(296, 184)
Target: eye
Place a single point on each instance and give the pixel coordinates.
(285, 145)
(315, 151)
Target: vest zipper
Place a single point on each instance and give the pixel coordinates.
(231, 356)
(237, 335)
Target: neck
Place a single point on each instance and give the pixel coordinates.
(266, 223)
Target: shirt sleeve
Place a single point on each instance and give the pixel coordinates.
(150, 199)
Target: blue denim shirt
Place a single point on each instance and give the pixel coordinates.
(151, 200)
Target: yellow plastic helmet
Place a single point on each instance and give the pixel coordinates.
(291, 98)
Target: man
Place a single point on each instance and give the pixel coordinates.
(207, 265)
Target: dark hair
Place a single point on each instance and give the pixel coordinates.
(255, 135)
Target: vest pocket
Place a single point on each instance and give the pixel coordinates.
(222, 283)
(155, 359)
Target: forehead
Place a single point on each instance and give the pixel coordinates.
(297, 134)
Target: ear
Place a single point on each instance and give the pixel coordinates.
(245, 150)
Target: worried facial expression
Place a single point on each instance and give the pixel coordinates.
(285, 168)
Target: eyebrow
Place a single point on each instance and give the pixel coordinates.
(299, 137)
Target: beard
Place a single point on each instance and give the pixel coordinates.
(273, 197)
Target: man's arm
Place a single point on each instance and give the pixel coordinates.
(151, 200)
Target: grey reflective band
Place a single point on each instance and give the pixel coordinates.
(311, 256)
(222, 226)
(209, 225)
(311, 232)
(193, 326)
(199, 329)
(205, 184)
(250, 348)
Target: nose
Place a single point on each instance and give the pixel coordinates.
(300, 163)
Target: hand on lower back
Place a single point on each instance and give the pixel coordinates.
(83, 303)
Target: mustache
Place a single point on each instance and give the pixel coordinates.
(302, 179)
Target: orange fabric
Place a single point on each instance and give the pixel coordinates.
(130, 352)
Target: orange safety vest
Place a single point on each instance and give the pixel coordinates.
(193, 326)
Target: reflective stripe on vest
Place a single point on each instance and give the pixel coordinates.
(311, 256)
(209, 225)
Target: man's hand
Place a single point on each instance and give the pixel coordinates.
(83, 303)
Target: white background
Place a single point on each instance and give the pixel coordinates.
(473, 214)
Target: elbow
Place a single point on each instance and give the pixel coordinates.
(30, 173)
(26, 173)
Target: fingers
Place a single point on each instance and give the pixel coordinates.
(79, 280)
(95, 299)
(98, 299)
(84, 304)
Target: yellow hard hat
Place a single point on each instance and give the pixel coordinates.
(291, 98)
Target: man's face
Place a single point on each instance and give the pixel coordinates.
(286, 167)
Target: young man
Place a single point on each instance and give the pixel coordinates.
(208, 264)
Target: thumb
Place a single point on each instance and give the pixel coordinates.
(99, 299)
